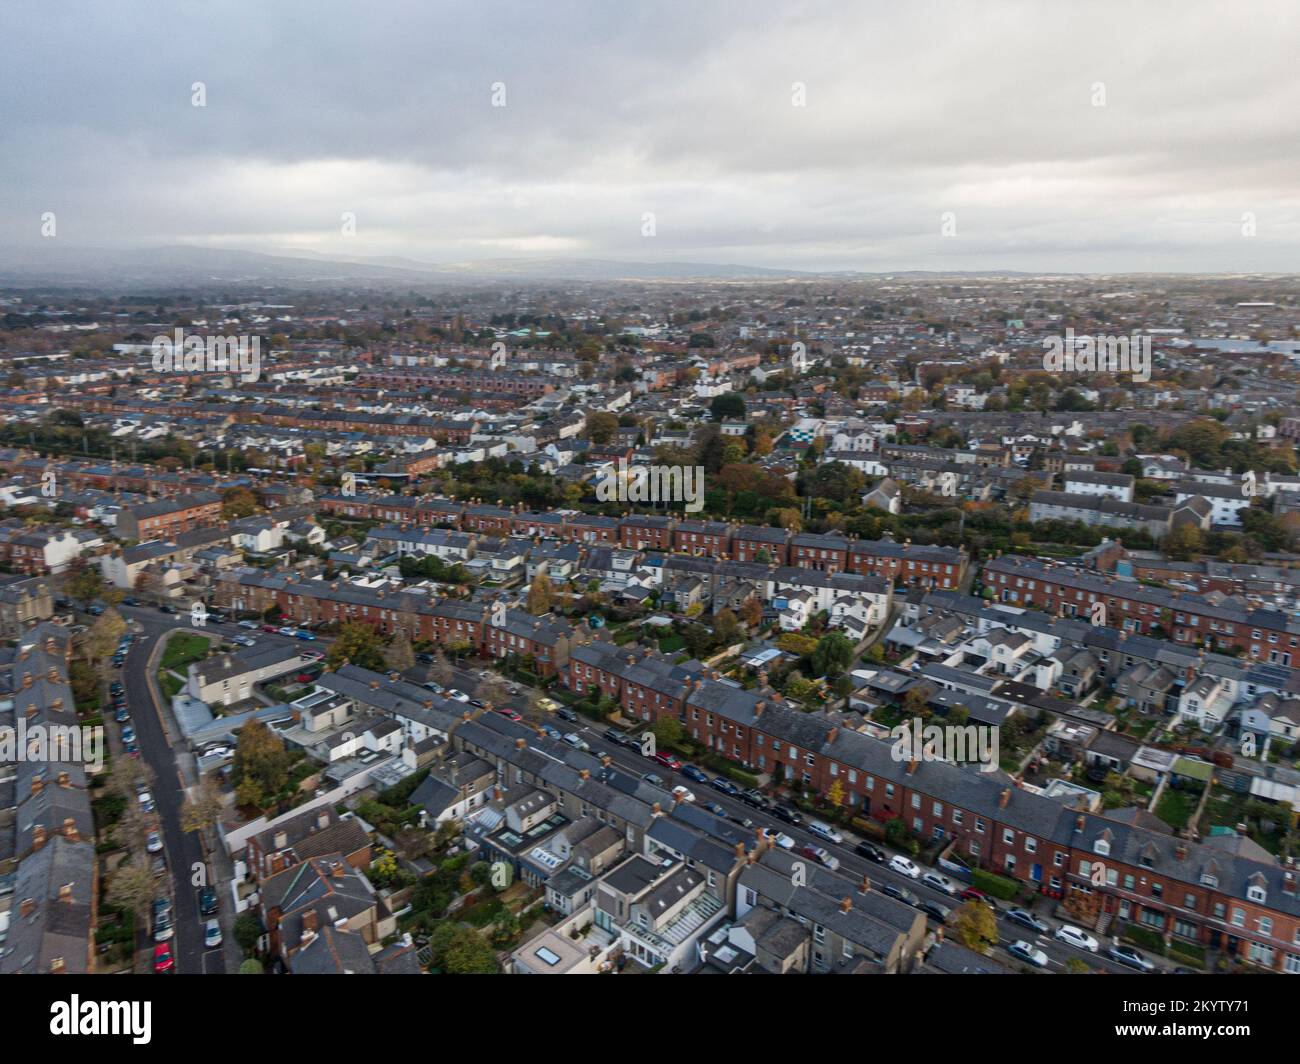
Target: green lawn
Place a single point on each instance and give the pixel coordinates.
(183, 648)
(1176, 807)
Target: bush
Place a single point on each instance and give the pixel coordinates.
(993, 885)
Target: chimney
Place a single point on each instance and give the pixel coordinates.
(28, 906)
(338, 870)
(911, 768)
(1180, 852)
(1004, 797)
(584, 774)
(309, 921)
(520, 743)
(866, 884)
(65, 893)
(655, 809)
(37, 785)
(758, 709)
(38, 836)
(322, 820)
(1079, 822)
(846, 904)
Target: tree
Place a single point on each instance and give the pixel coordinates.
(84, 582)
(247, 930)
(834, 654)
(237, 503)
(440, 669)
(836, 794)
(975, 926)
(399, 655)
(358, 643)
(131, 887)
(726, 629)
(201, 810)
(260, 759)
(668, 732)
(539, 595)
(601, 427)
(751, 611)
(729, 406)
(105, 634)
(251, 966)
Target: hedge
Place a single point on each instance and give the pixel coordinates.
(994, 885)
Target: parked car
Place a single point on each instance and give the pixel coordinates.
(158, 866)
(459, 696)
(682, 794)
(162, 926)
(1127, 955)
(901, 893)
(248, 624)
(616, 737)
(153, 842)
(164, 608)
(1077, 937)
(654, 780)
(1026, 919)
(576, 741)
(933, 909)
(721, 783)
(121, 715)
(871, 852)
(212, 934)
(132, 750)
(218, 750)
(506, 711)
(1028, 953)
(128, 734)
(146, 802)
(696, 774)
(716, 809)
(564, 712)
(784, 812)
(756, 799)
(306, 637)
(207, 901)
(780, 839)
(821, 855)
(904, 866)
(434, 686)
(668, 761)
(824, 831)
(95, 611)
(477, 703)
(940, 883)
(971, 894)
(163, 961)
(270, 629)
(552, 732)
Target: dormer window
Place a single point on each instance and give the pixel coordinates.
(1102, 847)
(1256, 893)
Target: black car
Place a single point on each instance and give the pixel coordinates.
(725, 786)
(616, 737)
(207, 901)
(901, 893)
(784, 812)
(164, 608)
(425, 659)
(871, 852)
(938, 912)
(564, 713)
(755, 799)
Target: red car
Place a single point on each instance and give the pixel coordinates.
(506, 711)
(162, 958)
(971, 894)
(668, 761)
(270, 628)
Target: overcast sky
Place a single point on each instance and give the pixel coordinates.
(684, 110)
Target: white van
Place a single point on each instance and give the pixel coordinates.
(825, 831)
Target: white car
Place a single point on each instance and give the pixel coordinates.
(1028, 952)
(154, 842)
(459, 696)
(146, 801)
(211, 934)
(683, 794)
(940, 883)
(1076, 936)
(248, 624)
(784, 841)
(902, 865)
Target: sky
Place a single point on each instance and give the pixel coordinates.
(1088, 137)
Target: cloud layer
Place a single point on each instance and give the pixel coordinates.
(985, 114)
